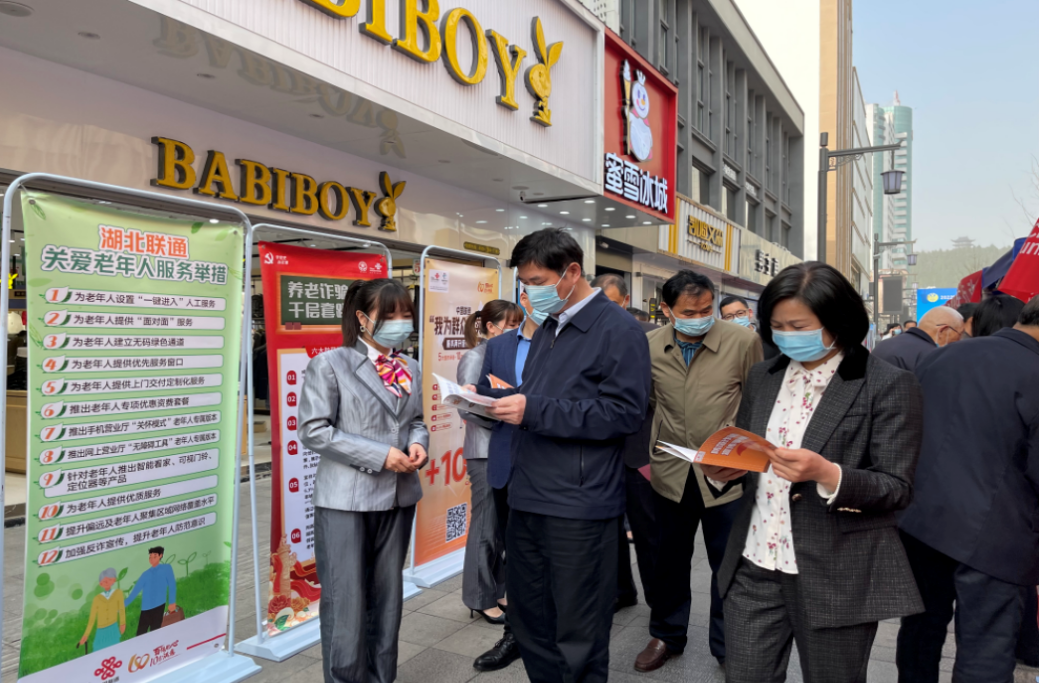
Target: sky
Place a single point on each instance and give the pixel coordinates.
(971, 74)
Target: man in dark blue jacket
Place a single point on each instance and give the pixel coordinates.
(972, 531)
(585, 388)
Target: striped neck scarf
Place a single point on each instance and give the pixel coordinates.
(394, 373)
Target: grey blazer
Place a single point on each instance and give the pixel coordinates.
(852, 566)
(349, 418)
(477, 429)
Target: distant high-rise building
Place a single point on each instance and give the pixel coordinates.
(893, 214)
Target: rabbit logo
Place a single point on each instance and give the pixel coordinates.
(639, 138)
(539, 76)
(387, 206)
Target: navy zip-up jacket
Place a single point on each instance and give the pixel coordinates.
(587, 389)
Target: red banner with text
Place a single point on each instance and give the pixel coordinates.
(303, 292)
(452, 292)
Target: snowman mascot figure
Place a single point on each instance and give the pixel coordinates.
(640, 136)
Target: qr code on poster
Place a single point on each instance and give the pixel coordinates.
(456, 521)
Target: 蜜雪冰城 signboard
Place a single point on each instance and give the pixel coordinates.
(639, 132)
(134, 335)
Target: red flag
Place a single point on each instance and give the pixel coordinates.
(969, 291)
(1022, 280)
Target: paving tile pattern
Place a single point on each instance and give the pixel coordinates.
(439, 639)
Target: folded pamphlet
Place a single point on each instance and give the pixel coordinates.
(455, 396)
(497, 383)
(727, 447)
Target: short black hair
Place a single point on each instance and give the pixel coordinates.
(1030, 313)
(824, 290)
(995, 313)
(611, 280)
(157, 550)
(639, 314)
(906, 322)
(686, 282)
(733, 299)
(967, 310)
(382, 297)
(552, 248)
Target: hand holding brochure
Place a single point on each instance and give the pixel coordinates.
(727, 447)
(457, 397)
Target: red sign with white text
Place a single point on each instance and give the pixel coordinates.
(639, 132)
(1022, 280)
(303, 292)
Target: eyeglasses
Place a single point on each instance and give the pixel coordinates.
(732, 316)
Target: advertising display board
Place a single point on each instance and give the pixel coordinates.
(639, 131)
(452, 292)
(303, 297)
(932, 297)
(134, 336)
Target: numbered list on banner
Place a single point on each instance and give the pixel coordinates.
(453, 291)
(134, 335)
(303, 293)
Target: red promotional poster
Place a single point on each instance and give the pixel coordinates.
(303, 292)
(1022, 280)
(639, 132)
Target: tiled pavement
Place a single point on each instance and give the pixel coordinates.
(438, 639)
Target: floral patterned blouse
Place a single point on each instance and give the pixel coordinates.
(769, 540)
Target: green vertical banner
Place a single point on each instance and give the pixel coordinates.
(134, 325)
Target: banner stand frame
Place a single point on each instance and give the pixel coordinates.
(442, 568)
(224, 666)
(305, 636)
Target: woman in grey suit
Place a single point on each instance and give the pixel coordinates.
(814, 555)
(483, 577)
(361, 411)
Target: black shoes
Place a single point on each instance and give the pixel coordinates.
(498, 621)
(504, 652)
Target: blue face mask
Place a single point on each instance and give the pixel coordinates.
(393, 333)
(545, 298)
(743, 320)
(804, 347)
(538, 317)
(694, 327)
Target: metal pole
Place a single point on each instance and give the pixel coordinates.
(876, 284)
(824, 169)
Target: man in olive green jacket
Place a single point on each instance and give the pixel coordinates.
(699, 366)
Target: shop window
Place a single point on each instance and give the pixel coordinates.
(752, 217)
(729, 197)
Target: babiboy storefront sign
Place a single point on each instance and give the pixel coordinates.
(275, 188)
(425, 40)
(639, 129)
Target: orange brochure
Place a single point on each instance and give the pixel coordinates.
(497, 383)
(727, 447)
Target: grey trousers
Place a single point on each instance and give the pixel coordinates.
(764, 615)
(483, 574)
(360, 557)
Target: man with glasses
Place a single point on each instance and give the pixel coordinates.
(735, 309)
(939, 327)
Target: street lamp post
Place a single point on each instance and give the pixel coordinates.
(877, 244)
(831, 160)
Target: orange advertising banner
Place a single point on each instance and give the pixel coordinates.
(452, 292)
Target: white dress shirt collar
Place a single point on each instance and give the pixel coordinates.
(568, 315)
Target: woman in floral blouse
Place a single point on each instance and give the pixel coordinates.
(814, 556)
